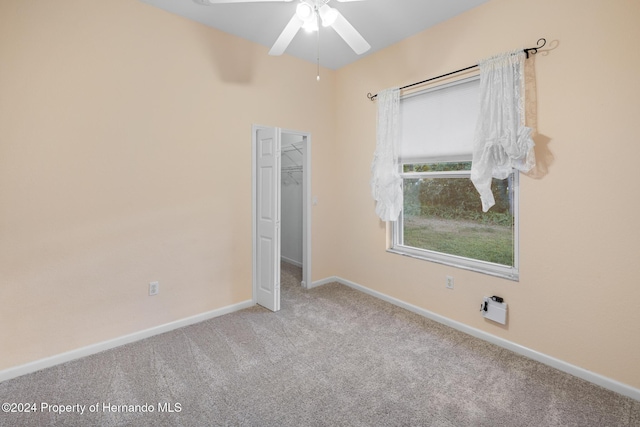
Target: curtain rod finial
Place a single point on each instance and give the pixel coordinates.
(371, 97)
(533, 50)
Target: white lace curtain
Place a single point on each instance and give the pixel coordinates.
(502, 141)
(386, 184)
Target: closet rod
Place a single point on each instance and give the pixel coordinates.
(530, 50)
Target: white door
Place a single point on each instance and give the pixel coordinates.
(268, 218)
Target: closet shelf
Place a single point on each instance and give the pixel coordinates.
(291, 169)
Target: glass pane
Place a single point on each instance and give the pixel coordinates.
(445, 215)
(437, 167)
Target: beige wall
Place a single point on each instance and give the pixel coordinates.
(578, 298)
(125, 157)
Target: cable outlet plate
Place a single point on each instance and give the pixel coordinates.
(154, 288)
(449, 282)
(496, 311)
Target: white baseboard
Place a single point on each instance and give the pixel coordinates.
(561, 365)
(291, 261)
(328, 280)
(68, 356)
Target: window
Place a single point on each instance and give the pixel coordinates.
(442, 218)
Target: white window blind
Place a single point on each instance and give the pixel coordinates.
(439, 124)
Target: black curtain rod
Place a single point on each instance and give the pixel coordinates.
(532, 50)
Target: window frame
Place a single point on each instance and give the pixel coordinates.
(396, 245)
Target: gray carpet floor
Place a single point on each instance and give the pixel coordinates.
(332, 356)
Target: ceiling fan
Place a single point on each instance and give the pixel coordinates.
(309, 14)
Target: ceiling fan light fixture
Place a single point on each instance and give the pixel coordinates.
(304, 11)
(310, 25)
(308, 15)
(328, 15)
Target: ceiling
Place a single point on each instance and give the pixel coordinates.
(381, 22)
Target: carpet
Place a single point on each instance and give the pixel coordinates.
(332, 356)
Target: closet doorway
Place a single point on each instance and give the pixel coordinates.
(281, 193)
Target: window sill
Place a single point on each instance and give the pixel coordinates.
(491, 269)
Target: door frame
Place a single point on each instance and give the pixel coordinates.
(306, 204)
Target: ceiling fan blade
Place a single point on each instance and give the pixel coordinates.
(350, 34)
(286, 36)
(210, 2)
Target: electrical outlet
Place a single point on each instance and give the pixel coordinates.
(154, 288)
(449, 282)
